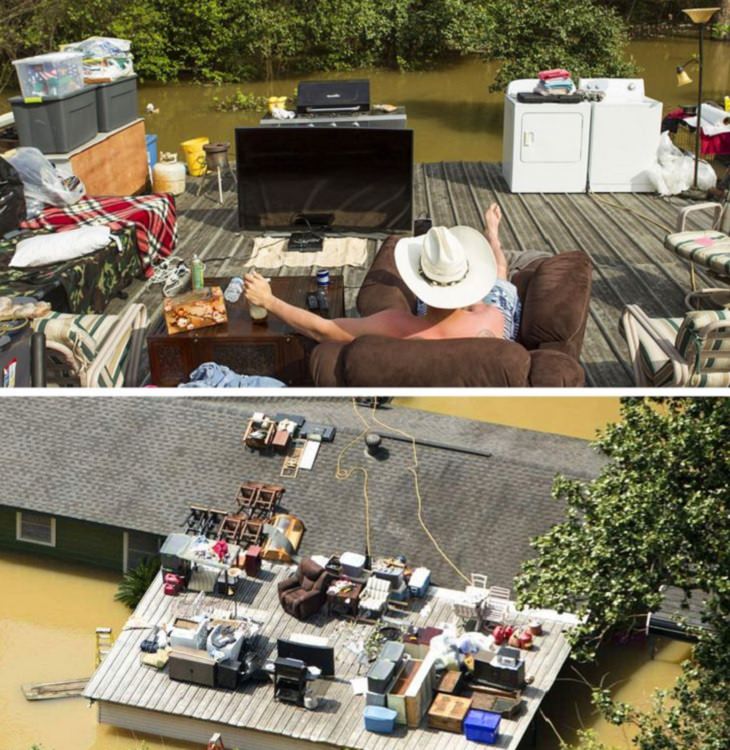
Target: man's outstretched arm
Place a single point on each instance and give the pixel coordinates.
(258, 292)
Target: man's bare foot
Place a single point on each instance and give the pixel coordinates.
(492, 217)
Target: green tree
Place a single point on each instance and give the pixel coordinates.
(657, 514)
(587, 38)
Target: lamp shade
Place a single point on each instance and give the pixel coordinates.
(682, 78)
(700, 15)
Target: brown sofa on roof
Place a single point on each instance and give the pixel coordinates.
(555, 294)
(304, 593)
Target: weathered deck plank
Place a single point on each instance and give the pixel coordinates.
(622, 234)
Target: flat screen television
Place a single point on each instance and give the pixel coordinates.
(321, 179)
(310, 651)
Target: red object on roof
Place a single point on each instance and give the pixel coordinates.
(221, 549)
(546, 75)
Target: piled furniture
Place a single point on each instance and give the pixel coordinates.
(555, 294)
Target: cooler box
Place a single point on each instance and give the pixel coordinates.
(419, 581)
(482, 726)
(56, 124)
(379, 719)
(116, 103)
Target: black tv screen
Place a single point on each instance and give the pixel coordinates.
(310, 653)
(349, 179)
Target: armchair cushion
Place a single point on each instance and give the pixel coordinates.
(555, 303)
(709, 249)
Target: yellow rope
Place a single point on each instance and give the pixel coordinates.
(341, 473)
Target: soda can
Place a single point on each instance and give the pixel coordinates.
(323, 277)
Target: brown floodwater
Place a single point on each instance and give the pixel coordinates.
(451, 111)
(51, 610)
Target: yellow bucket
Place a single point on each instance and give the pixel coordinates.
(195, 156)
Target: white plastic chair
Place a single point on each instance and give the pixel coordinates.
(374, 596)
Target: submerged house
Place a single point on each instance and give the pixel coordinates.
(485, 492)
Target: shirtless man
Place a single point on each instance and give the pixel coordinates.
(459, 273)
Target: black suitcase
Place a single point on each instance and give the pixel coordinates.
(12, 198)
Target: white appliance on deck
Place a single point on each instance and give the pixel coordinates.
(625, 130)
(544, 145)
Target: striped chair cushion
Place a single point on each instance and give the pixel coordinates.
(708, 370)
(655, 364)
(84, 335)
(709, 249)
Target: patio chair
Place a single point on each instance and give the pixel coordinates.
(469, 605)
(707, 248)
(690, 351)
(374, 596)
(498, 604)
(94, 350)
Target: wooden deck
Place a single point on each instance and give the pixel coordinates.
(622, 234)
(122, 682)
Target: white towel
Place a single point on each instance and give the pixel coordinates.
(271, 252)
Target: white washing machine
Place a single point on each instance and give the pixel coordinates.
(625, 130)
(544, 145)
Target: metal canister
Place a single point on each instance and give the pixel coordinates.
(323, 277)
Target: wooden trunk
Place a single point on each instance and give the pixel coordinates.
(447, 712)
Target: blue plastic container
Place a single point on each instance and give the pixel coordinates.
(482, 726)
(419, 582)
(151, 149)
(379, 719)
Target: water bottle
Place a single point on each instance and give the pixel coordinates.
(234, 289)
(198, 273)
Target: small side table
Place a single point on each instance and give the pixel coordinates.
(344, 602)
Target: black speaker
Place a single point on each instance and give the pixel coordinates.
(333, 96)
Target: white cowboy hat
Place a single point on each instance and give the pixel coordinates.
(447, 268)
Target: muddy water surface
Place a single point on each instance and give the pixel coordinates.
(453, 114)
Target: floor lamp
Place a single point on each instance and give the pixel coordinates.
(700, 17)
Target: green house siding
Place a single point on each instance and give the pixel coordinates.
(79, 541)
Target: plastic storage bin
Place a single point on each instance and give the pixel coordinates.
(116, 103)
(56, 125)
(55, 74)
(482, 726)
(379, 719)
(352, 564)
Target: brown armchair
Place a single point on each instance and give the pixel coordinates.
(555, 294)
(304, 593)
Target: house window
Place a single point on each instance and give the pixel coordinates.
(138, 546)
(35, 528)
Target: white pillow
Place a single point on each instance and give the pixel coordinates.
(59, 246)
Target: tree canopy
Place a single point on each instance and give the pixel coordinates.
(658, 514)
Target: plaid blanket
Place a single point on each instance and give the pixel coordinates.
(153, 218)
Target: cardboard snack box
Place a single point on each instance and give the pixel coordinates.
(198, 309)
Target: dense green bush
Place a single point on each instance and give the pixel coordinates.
(136, 581)
(235, 40)
(586, 38)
